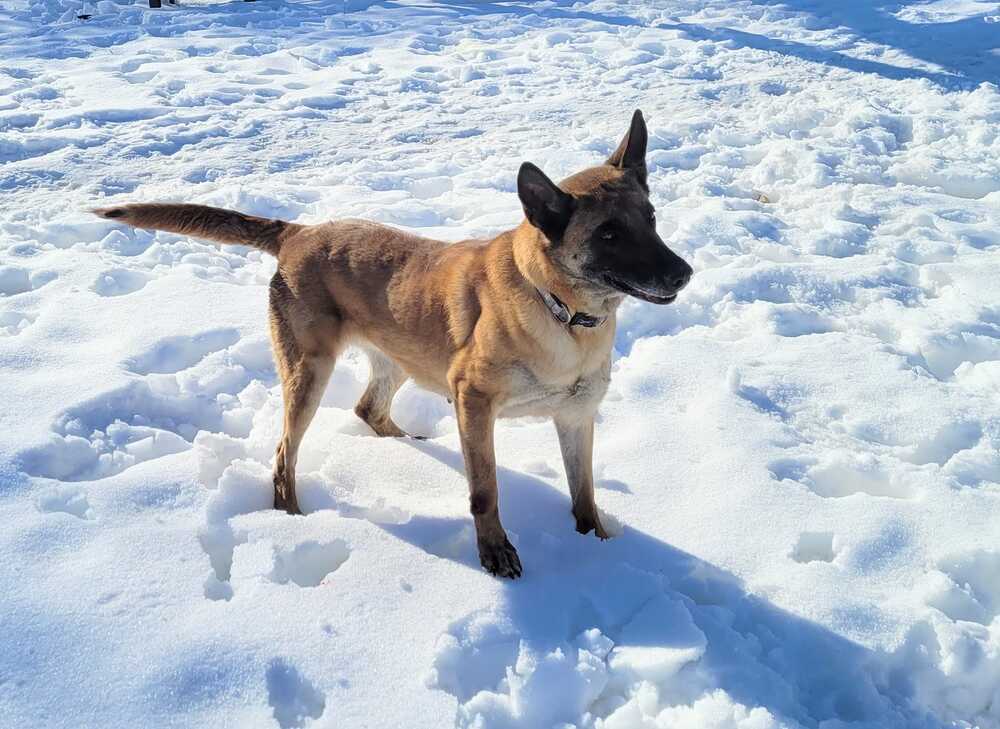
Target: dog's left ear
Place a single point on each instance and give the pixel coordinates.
(631, 153)
(545, 206)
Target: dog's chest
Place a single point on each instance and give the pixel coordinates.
(535, 393)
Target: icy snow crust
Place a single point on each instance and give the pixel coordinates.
(799, 458)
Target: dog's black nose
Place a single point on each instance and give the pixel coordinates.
(681, 280)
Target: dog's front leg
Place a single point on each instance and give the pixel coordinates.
(576, 440)
(476, 416)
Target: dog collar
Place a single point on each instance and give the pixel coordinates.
(561, 312)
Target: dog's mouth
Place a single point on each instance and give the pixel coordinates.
(638, 293)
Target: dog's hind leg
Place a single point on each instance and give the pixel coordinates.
(305, 359)
(373, 407)
(302, 390)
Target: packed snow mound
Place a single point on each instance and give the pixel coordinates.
(799, 460)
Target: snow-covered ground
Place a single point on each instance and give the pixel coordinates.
(800, 458)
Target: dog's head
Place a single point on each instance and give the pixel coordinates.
(599, 228)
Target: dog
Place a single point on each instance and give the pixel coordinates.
(522, 324)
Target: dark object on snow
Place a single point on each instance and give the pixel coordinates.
(155, 4)
(85, 16)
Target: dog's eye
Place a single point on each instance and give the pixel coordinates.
(608, 234)
(652, 219)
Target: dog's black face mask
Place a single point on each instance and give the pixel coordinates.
(601, 227)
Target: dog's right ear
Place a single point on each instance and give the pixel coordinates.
(546, 206)
(631, 153)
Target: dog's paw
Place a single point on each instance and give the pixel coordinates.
(389, 430)
(286, 502)
(587, 523)
(500, 560)
(586, 527)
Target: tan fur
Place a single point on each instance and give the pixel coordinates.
(464, 320)
(225, 226)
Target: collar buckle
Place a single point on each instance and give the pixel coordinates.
(562, 314)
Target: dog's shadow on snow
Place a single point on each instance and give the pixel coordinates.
(757, 652)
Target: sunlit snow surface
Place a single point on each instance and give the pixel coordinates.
(799, 458)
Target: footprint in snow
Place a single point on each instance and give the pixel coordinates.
(842, 476)
(493, 670)
(294, 699)
(310, 563)
(944, 353)
(847, 477)
(119, 282)
(161, 413)
(966, 587)
(236, 558)
(219, 542)
(815, 547)
(773, 88)
(15, 322)
(950, 439)
(173, 354)
(15, 280)
(64, 499)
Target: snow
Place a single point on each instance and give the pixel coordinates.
(799, 460)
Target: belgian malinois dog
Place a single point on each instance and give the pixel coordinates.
(522, 324)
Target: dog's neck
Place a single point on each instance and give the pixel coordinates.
(539, 272)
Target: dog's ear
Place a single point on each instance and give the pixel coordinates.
(631, 153)
(546, 206)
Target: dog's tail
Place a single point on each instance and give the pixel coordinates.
(201, 221)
